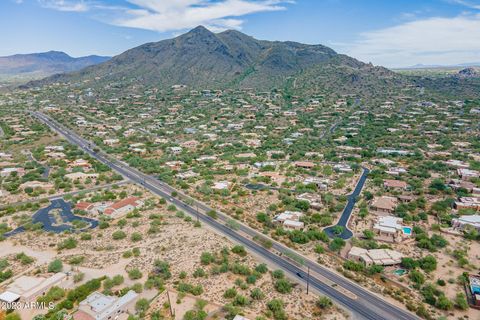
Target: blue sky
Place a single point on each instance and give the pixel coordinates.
(392, 33)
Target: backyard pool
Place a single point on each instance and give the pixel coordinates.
(407, 230)
(400, 272)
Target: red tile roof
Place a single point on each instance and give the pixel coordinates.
(82, 205)
(81, 315)
(132, 201)
(125, 202)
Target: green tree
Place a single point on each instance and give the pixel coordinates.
(417, 277)
(68, 243)
(136, 236)
(428, 263)
(195, 315)
(324, 302)
(409, 263)
(134, 274)
(230, 293)
(240, 250)
(257, 294)
(368, 234)
(119, 235)
(13, 316)
(337, 244)
(283, 286)
(55, 266)
(142, 305)
(444, 303)
(206, 258)
(262, 268)
(461, 302)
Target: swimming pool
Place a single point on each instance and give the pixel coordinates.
(400, 272)
(475, 289)
(407, 230)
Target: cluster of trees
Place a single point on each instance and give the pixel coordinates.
(72, 297)
(435, 297)
(432, 243)
(360, 267)
(428, 263)
(4, 272)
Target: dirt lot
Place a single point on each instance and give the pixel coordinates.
(177, 241)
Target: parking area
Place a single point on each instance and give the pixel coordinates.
(57, 223)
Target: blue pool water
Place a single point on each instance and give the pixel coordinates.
(407, 230)
(400, 272)
(475, 289)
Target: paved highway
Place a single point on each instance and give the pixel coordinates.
(362, 303)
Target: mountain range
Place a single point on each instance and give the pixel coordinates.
(39, 65)
(230, 59)
(439, 66)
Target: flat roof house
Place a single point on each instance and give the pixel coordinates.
(98, 306)
(383, 257)
(111, 142)
(313, 199)
(394, 184)
(176, 150)
(221, 185)
(304, 164)
(81, 176)
(28, 288)
(8, 171)
(467, 220)
(457, 163)
(467, 174)
(456, 184)
(80, 163)
(391, 229)
(474, 286)
(468, 203)
(186, 175)
(290, 220)
(321, 183)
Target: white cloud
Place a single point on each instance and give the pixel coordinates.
(172, 15)
(65, 5)
(435, 40)
(470, 4)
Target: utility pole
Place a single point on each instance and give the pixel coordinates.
(170, 304)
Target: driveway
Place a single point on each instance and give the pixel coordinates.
(48, 221)
(347, 211)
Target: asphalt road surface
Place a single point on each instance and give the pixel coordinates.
(347, 211)
(49, 224)
(363, 305)
(44, 217)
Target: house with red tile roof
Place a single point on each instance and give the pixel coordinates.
(84, 206)
(123, 207)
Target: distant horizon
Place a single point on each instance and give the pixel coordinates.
(393, 35)
(59, 51)
(416, 66)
